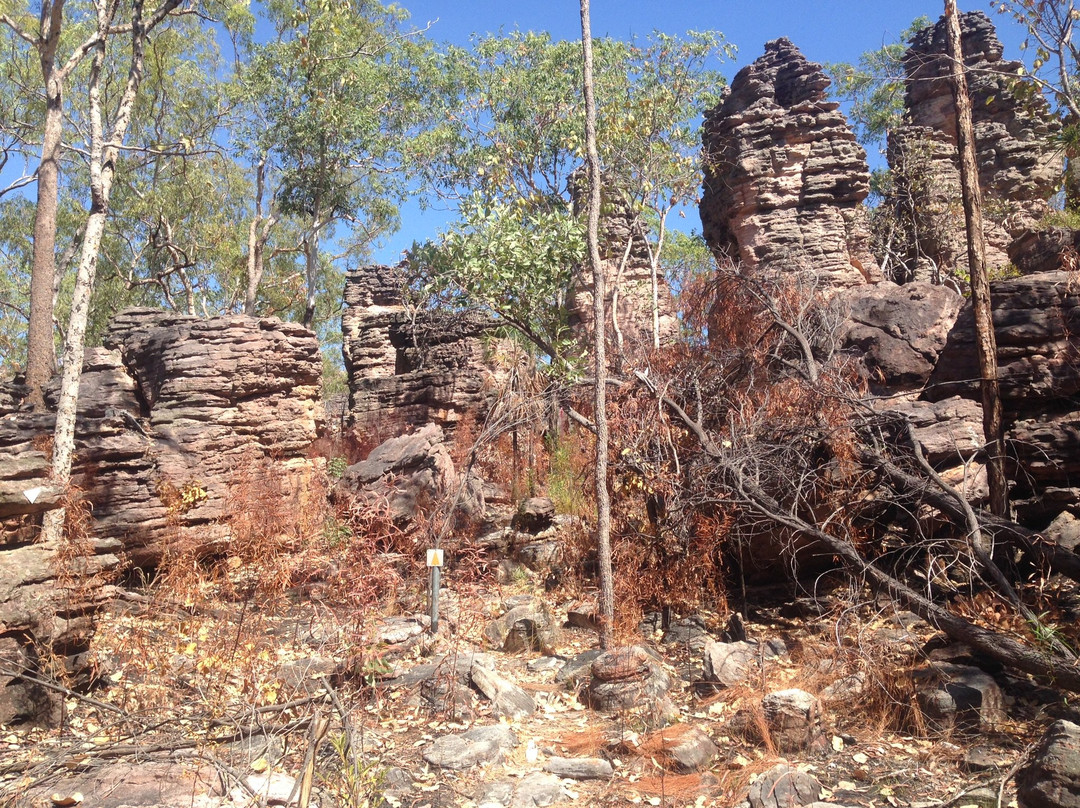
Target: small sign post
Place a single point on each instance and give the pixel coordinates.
(435, 562)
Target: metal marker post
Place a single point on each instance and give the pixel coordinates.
(435, 561)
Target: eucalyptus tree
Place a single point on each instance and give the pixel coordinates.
(59, 53)
(171, 239)
(516, 135)
(340, 88)
(107, 134)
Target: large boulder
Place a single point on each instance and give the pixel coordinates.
(1051, 778)
(408, 473)
(896, 332)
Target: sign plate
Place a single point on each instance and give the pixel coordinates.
(32, 494)
(435, 558)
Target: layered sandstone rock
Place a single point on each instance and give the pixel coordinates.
(410, 368)
(1037, 325)
(896, 332)
(219, 404)
(180, 422)
(784, 175)
(1019, 168)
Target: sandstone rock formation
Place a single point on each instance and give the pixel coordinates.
(1036, 320)
(410, 368)
(412, 472)
(784, 176)
(628, 283)
(1050, 778)
(181, 421)
(1019, 168)
(897, 332)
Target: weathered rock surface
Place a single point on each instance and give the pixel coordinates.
(681, 748)
(1051, 778)
(783, 787)
(507, 699)
(950, 430)
(962, 697)
(1045, 250)
(227, 406)
(1036, 321)
(793, 718)
(1018, 166)
(479, 745)
(181, 422)
(629, 679)
(897, 332)
(534, 790)
(785, 176)
(406, 474)
(527, 624)
(580, 768)
(410, 368)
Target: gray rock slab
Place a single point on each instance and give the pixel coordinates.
(580, 768)
(784, 787)
(1052, 777)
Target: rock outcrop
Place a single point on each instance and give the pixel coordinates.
(1051, 777)
(179, 419)
(896, 332)
(410, 368)
(1019, 167)
(784, 175)
(1036, 320)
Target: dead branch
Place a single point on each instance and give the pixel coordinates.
(1044, 663)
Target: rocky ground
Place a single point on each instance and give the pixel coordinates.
(209, 696)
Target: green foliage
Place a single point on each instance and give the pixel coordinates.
(1054, 59)
(513, 260)
(691, 269)
(565, 484)
(1060, 218)
(510, 138)
(334, 380)
(875, 86)
(355, 783)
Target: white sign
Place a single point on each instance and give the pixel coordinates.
(434, 558)
(32, 494)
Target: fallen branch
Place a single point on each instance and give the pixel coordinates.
(1042, 663)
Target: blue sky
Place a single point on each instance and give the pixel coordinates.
(825, 30)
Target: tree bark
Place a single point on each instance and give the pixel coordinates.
(40, 348)
(311, 257)
(258, 234)
(603, 499)
(103, 159)
(985, 340)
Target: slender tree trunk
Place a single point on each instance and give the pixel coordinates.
(103, 160)
(311, 256)
(40, 348)
(258, 233)
(603, 499)
(654, 277)
(985, 340)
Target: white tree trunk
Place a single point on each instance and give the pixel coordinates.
(103, 158)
